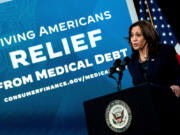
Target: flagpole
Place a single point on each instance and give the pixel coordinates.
(149, 13)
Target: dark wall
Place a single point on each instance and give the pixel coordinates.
(171, 11)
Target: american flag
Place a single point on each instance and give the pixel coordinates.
(164, 29)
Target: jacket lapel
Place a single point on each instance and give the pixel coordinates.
(153, 67)
(137, 71)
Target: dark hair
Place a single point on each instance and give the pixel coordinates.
(150, 35)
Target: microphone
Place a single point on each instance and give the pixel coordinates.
(117, 63)
(126, 61)
(115, 68)
(119, 67)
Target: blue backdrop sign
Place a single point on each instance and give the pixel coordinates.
(54, 55)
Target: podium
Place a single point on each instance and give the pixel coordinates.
(145, 110)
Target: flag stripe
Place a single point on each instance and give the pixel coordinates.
(177, 47)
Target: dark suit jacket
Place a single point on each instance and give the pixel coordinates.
(163, 70)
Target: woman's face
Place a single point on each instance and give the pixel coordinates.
(137, 39)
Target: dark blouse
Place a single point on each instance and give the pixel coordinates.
(144, 69)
